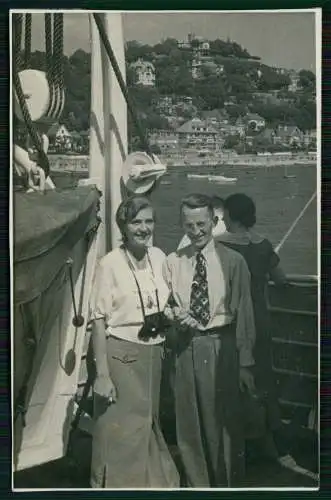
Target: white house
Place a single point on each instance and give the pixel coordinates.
(60, 136)
(254, 121)
(145, 73)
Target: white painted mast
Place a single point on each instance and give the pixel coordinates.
(108, 133)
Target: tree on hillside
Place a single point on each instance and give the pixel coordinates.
(166, 46)
(228, 49)
(135, 50)
(236, 111)
(271, 80)
(240, 84)
(211, 92)
(231, 141)
(307, 80)
(143, 97)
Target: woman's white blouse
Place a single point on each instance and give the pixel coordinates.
(115, 295)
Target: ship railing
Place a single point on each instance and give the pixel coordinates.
(294, 324)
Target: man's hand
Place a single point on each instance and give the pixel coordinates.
(185, 319)
(104, 387)
(169, 313)
(246, 380)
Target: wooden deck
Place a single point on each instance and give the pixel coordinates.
(295, 359)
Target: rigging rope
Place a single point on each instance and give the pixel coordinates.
(117, 71)
(49, 58)
(42, 157)
(17, 40)
(58, 50)
(293, 225)
(27, 39)
(54, 73)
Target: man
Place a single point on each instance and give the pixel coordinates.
(219, 229)
(211, 304)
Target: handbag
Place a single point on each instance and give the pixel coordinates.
(156, 323)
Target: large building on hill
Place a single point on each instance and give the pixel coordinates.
(197, 134)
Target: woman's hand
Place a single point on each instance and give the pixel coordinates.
(104, 387)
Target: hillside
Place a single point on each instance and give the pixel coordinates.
(241, 78)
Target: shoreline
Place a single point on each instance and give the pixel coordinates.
(62, 163)
(80, 163)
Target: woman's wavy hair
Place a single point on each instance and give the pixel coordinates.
(128, 210)
(241, 208)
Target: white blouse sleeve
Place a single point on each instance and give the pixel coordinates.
(101, 297)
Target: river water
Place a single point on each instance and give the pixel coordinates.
(279, 201)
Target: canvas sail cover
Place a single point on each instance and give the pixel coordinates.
(48, 229)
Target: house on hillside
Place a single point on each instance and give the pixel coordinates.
(310, 138)
(226, 130)
(289, 135)
(198, 44)
(144, 73)
(215, 117)
(196, 68)
(60, 137)
(268, 134)
(281, 71)
(165, 105)
(294, 86)
(166, 140)
(254, 122)
(196, 134)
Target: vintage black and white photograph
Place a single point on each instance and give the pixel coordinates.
(165, 216)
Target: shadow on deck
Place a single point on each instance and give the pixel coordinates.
(73, 471)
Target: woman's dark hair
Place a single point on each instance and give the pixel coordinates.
(128, 210)
(197, 200)
(241, 208)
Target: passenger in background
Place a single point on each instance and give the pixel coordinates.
(263, 263)
(218, 204)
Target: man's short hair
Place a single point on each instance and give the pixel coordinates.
(197, 200)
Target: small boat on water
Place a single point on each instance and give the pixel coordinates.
(199, 177)
(221, 179)
(287, 175)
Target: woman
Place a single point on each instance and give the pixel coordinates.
(239, 218)
(129, 450)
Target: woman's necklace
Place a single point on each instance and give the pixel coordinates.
(138, 263)
(141, 265)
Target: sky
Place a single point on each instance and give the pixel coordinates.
(281, 39)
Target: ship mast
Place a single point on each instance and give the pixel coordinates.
(108, 126)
